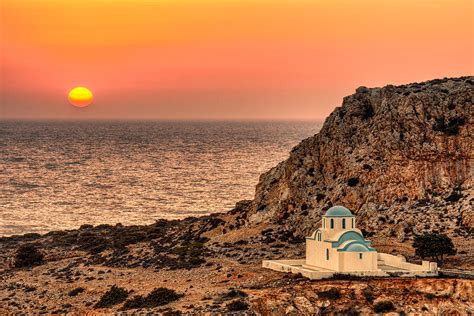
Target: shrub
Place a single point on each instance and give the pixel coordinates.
(367, 111)
(320, 197)
(237, 305)
(367, 167)
(28, 256)
(384, 306)
(114, 296)
(189, 256)
(332, 294)
(352, 182)
(430, 296)
(449, 128)
(158, 297)
(454, 197)
(434, 246)
(92, 242)
(31, 236)
(233, 294)
(368, 295)
(138, 301)
(76, 291)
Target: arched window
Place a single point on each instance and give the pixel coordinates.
(332, 223)
(324, 223)
(360, 256)
(343, 223)
(319, 236)
(352, 223)
(327, 254)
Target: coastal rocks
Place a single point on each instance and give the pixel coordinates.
(367, 296)
(397, 154)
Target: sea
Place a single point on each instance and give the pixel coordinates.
(57, 175)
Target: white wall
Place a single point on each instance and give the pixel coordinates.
(316, 255)
(312, 252)
(350, 261)
(330, 233)
(400, 262)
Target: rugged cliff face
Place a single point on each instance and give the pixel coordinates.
(400, 157)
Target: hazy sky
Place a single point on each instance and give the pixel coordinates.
(221, 59)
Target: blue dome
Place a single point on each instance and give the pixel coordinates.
(356, 247)
(338, 211)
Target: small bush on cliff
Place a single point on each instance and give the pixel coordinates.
(237, 305)
(28, 256)
(352, 182)
(158, 297)
(454, 197)
(331, 294)
(451, 127)
(383, 307)
(92, 242)
(189, 256)
(434, 246)
(114, 296)
(368, 295)
(76, 291)
(233, 294)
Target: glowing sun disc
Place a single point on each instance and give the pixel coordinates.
(80, 97)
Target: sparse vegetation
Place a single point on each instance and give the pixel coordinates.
(454, 197)
(92, 242)
(430, 296)
(114, 296)
(320, 197)
(451, 127)
(368, 295)
(434, 246)
(352, 182)
(331, 294)
(158, 297)
(233, 294)
(27, 256)
(190, 256)
(368, 111)
(76, 291)
(367, 167)
(383, 307)
(237, 305)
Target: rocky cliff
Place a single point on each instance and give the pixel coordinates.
(400, 157)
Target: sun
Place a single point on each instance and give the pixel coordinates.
(80, 97)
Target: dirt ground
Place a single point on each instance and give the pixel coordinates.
(211, 271)
(44, 290)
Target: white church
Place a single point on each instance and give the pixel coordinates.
(339, 247)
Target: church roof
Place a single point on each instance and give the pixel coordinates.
(356, 246)
(345, 235)
(338, 211)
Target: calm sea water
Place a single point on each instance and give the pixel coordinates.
(59, 175)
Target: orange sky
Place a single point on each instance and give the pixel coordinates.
(221, 59)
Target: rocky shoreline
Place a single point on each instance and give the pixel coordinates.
(399, 186)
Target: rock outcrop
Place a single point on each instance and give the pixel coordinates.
(400, 157)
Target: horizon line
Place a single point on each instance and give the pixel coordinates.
(21, 119)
